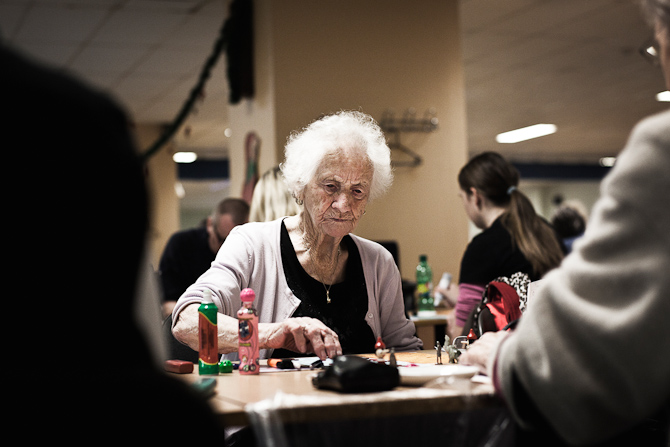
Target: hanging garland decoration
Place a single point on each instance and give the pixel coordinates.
(219, 46)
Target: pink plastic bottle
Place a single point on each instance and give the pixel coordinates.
(248, 334)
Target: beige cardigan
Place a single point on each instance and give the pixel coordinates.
(593, 350)
(251, 257)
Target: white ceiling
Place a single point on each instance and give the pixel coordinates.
(147, 53)
(574, 63)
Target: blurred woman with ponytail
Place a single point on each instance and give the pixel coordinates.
(513, 238)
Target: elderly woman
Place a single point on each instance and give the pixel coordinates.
(319, 289)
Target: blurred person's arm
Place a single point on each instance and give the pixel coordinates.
(589, 355)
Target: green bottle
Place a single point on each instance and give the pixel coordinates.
(424, 287)
(208, 352)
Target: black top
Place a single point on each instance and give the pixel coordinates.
(492, 254)
(187, 255)
(349, 299)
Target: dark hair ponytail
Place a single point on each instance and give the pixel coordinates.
(534, 237)
(498, 180)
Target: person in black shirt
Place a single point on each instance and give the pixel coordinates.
(346, 315)
(189, 253)
(513, 238)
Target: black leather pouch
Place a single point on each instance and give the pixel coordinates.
(352, 374)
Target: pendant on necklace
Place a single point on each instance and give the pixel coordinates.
(328, 296)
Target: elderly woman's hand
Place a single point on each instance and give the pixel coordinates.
(303, 335)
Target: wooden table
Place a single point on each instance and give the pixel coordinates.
(295, 400)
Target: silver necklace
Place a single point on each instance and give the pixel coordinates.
(327, 289)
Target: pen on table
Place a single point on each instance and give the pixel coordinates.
(281, 363)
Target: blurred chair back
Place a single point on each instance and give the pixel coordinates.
(408, 286)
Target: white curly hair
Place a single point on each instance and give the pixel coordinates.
(305, 149)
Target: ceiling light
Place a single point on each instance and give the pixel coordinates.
(607, 162)
(184, 157)
(526, 133)
(663, 96)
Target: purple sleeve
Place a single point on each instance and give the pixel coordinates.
(469, 295)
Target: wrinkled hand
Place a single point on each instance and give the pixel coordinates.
(304, 334)
(482, 352)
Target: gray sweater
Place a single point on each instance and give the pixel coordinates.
(251, 257)
(593, 349)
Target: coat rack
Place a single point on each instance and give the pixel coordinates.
(393, 126)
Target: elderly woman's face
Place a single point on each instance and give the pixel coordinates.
(336, 198)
